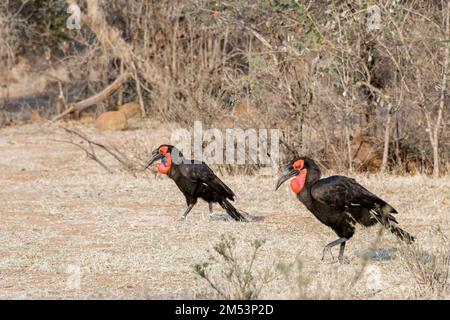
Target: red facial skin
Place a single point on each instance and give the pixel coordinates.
(165, 168)
(298, 182)
(163, 150)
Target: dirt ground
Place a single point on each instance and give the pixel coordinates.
(69, 229)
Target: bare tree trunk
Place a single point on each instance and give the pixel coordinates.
(138, 90)
(60, 101)
(387, 133)
(434, 136)
(120, 93)
(349, 148)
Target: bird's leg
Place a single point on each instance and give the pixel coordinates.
(332, 244)
(325, 250)
(210, 208)
(184, 215)
(341, 253)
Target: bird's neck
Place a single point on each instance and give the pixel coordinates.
(305, 196)
(176, 163)
(313, 176)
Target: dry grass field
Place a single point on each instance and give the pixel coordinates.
(69, 229)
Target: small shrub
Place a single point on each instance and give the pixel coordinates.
(231, 277)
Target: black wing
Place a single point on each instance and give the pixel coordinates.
(339, 191)
(201, 173)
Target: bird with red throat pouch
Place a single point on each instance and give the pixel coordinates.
(195, 180)
(339, 202)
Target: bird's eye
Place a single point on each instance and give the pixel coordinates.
(298, 164)
(163, 150)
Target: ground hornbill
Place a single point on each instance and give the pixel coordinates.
(195, 179)
(339, 202)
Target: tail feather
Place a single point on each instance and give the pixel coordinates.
(388, 208)
(402, 234)
(232, 211)
(385, 217)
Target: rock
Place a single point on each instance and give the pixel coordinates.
(130, 109)
(111, 121)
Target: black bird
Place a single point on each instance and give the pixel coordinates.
(195, 179)
(339, 202)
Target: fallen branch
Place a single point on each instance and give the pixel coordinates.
(65, 113)
(105, 93)
(98, 97)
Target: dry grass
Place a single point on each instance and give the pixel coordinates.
(428, 265)
(61, 211)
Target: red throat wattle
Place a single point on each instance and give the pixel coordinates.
(164, 167)
(298, 182)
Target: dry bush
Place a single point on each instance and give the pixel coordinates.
(429, 269)
(9, 42)
(310, 68)
(230, 276)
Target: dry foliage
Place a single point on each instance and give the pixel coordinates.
(232, 277)
(310, 68)
(429, 269)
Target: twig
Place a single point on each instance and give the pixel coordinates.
(119, 156)
(294, 152)
(90, 154)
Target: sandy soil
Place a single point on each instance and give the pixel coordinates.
(68, 229)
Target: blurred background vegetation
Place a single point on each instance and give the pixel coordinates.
(354, 98)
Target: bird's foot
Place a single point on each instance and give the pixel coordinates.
(343, 260)
(325, 250)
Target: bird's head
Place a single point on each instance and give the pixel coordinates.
(301, 168)
(163, 153)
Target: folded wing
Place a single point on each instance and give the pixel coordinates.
(341, 192)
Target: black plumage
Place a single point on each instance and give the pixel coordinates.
(195, 180)
(339, 202)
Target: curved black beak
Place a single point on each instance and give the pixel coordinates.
(289, 173)
(155, 156)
